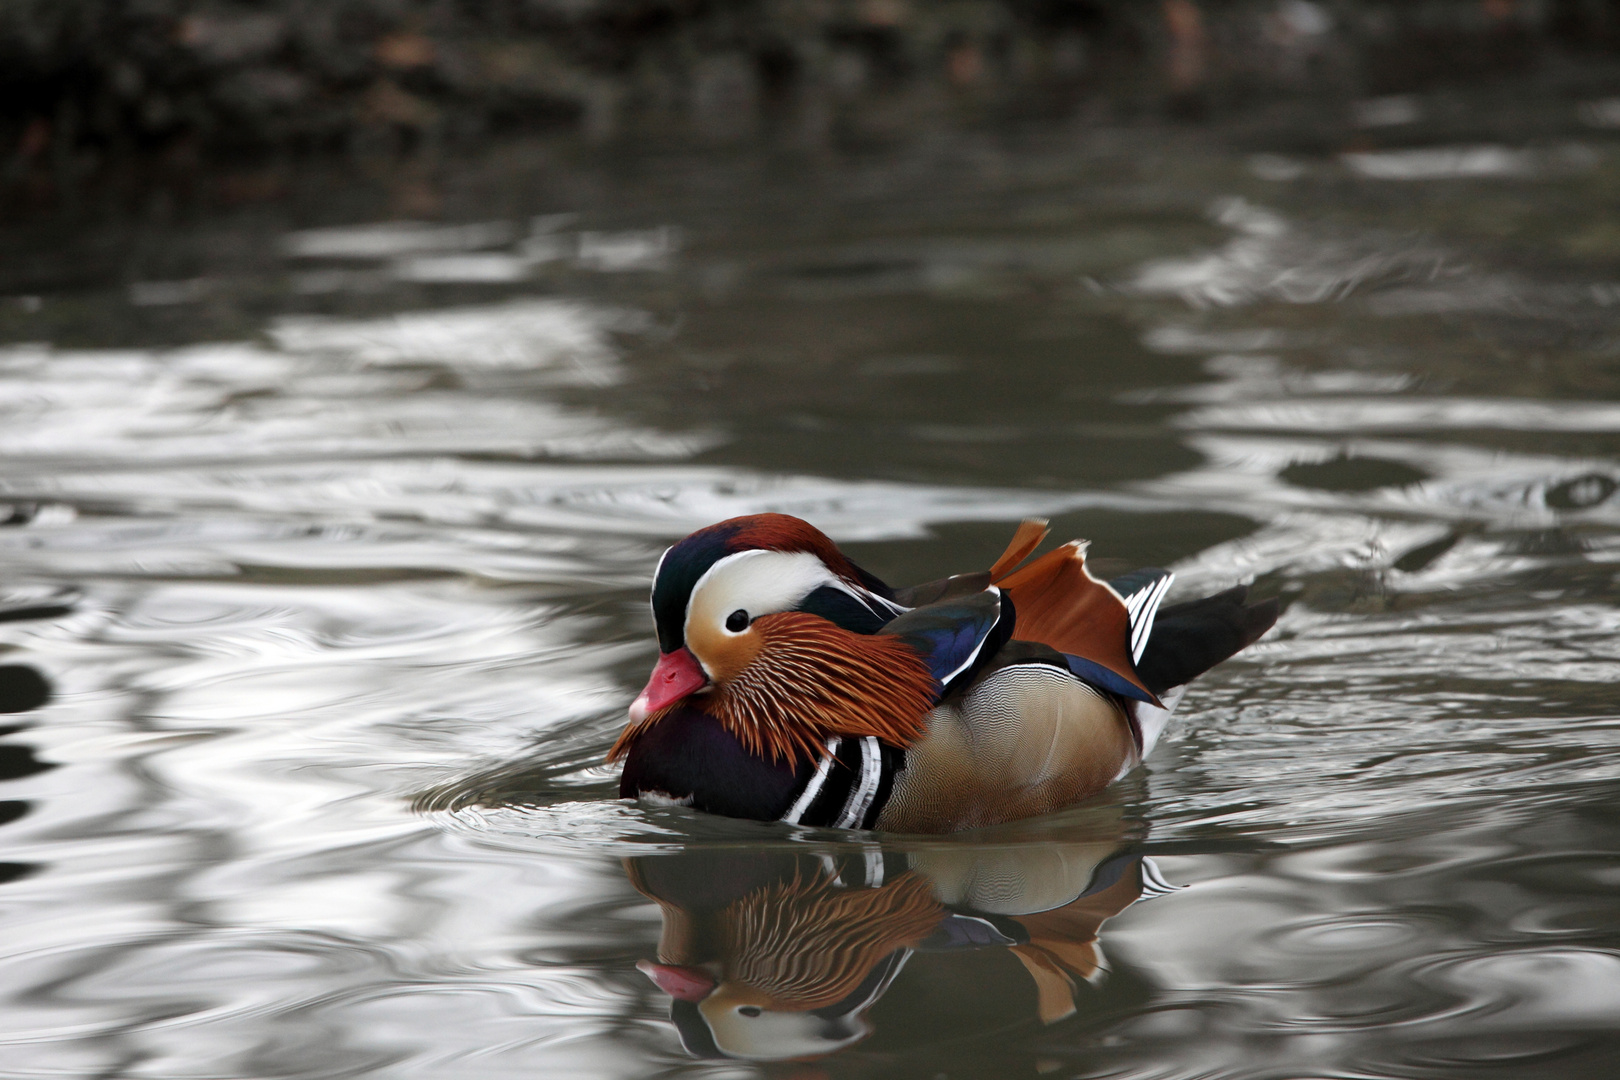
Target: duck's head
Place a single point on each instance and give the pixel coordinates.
(736, 1020)
(751, 612)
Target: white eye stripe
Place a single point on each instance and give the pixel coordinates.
(758, 582)
(763, 582)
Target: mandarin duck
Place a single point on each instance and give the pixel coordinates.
(793, 685)
(770, 956)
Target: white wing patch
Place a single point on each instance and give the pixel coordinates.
(1154, 883)
(1142, 605)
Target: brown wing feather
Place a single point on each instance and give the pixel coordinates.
(1031, 531)
(1061, 605)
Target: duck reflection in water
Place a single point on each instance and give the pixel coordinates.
(771, 956)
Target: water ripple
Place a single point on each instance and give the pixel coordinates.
(342, 610)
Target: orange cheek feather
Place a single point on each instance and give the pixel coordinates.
(807, 680)
(794, 680)
(724, 656)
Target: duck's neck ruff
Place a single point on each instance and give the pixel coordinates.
(807, 945)
(811, 681)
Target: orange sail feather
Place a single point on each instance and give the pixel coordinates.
(1060, 604)
(1031, 531)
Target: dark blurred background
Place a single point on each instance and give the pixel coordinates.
(99, 91)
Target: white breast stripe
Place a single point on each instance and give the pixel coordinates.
(874, 867)
(865, 787)
(813, 788)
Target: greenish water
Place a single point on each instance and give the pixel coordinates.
(355, 528)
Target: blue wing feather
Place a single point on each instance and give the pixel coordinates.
(951, 636)
(1094, 673)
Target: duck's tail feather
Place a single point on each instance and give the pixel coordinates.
(1188, 639)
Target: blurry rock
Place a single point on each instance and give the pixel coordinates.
(232, 73)
(264, 89)
(1300, 32)
(1582, 492)
(126, 80)
(157, 111)
(416, 197)
(538, 82)
(1068, 55)
(387, 103)
(1187, 62)
(527, 67)
(885, 12)
(964, 65)
(35, 138)
(403, 52)
(1297, 21)
(17, 762)
(248, 187)
(847, 72)
(232, 39)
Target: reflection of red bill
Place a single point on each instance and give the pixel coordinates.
(683, 983)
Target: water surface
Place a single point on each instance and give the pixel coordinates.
(333, 536)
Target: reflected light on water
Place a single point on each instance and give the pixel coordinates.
(315, 632)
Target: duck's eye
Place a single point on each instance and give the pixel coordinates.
(749, 1010)
(737, 621)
